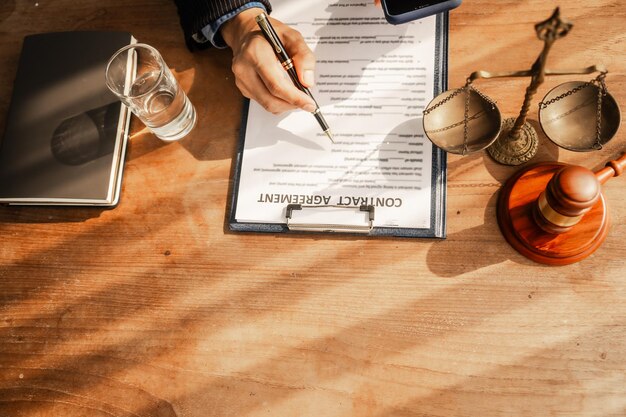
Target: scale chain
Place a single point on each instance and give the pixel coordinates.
(445, 100)
(468, 88)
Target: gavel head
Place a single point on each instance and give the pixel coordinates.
(555, 214)
(570, 193)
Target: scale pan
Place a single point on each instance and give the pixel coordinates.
(570, 121)
(445, 124)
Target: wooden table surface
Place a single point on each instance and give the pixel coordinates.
(155, 309)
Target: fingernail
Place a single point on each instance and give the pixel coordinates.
(309, 78)
(310, 108)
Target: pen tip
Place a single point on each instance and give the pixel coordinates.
(330, 135)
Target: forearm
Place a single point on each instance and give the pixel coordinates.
(237, 28)
(198, 14)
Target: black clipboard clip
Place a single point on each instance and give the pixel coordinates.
(358, 219)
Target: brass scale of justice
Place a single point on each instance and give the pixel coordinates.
(551, 213)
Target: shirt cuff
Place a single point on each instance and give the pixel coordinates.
(211, 32)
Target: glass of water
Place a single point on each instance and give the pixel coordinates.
(138, 75)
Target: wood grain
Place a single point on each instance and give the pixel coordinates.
(155, 309)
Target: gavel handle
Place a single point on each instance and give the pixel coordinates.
(612, 169)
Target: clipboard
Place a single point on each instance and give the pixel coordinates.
(363, 217)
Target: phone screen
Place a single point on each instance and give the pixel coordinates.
(398, 7)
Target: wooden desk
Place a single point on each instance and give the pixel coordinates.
(155, 309)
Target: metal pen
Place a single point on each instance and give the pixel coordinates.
(272, 37)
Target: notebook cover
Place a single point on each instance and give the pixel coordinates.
(65, 132)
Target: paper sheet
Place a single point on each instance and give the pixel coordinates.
(373, 80)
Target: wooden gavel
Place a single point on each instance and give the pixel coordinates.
(571, 193)
(554, 213)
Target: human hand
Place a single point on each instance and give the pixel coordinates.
(258, 74)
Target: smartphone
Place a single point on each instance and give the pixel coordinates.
(402, 11)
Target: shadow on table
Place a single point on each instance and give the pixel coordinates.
(42, 214)
(138, 334)
(7, 7)
(457, 254)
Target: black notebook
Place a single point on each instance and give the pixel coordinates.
(66, 133)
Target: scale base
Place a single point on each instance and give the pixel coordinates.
(516, 202)
(509, 151)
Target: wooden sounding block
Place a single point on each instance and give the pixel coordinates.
(554, 213)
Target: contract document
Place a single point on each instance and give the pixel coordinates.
(373, 80)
